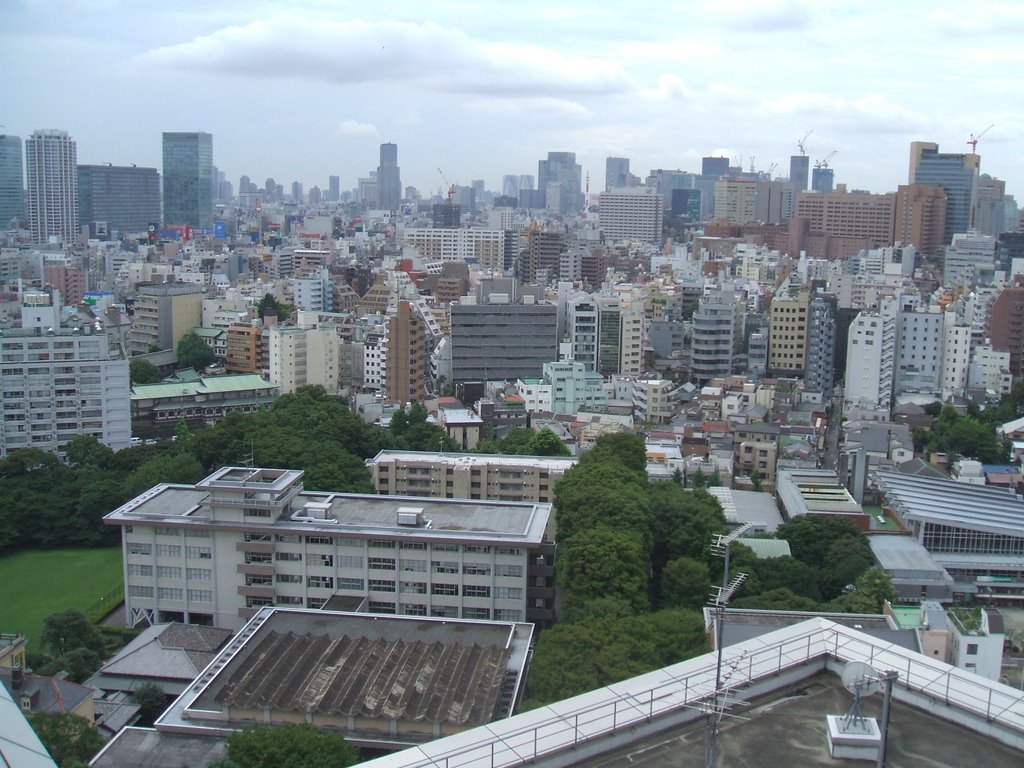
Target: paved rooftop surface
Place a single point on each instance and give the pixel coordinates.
(788, 729)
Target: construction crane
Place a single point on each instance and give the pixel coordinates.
(451, 187)
(973, 141)
(800, 142)
(823, 163)
(771, 170)
(752, 163)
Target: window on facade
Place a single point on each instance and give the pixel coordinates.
(288, 557)
(200, 596)
(136, 590)
(135, 569)
(476, 569)
(381, 544)
(476, 613)
(205, 553)
(444, 589)
(168, 550)
(508, 593)
(476, 590)
(168, 572)
(318, 539)
(444, 566)
(288, 578)
(381, 585)
(381, 563)
(320, 582)
(508, 570)
(381, 607)
(352, 584)
(169, 593)
(197, 574)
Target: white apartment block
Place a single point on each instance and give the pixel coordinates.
(216, 552)
(467, 475)
(485, 247)
(956, 356)
(632, 213)
(654, 400)
(301, 356)
(919, 347)
(990, 369)
(869, 361)
(60, 384)
(970, 258)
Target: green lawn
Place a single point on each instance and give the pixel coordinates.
(36, 583)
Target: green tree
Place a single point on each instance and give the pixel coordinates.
(150, 700)
(756, 480)
(177, 468)
(69, 629)
(628, 449)
(141, 371)
(87, 450)
(876, 585)
(780, 599)
(604, 562)
(195, 353)
(546, 443)
(788, 573)
(607, 493)
(685, 583)
(289, 746)
(699, 479)
(67, 737)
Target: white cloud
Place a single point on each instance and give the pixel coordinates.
(548, 107)
(353, 129)
(357, 51)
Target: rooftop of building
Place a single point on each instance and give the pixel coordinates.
(379, 668)
(46, 694)
(977, 507)
(19, 744)
(659, 718)
(748, 507)
(466, 460)
(171, 653)
(905, 557)
(337, 513)
(202, 385)
(149, 748)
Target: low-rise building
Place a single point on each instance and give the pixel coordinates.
(817, 492)
(197, 399)
(241, 539)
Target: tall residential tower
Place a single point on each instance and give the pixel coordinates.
(12, 189)
(52, 171)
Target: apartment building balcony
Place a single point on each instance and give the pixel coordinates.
(255, 569)
(261, 547)
(256, 591)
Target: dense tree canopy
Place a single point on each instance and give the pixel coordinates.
(67, 737)
(288, 746)
(604, 562)
(141, 371)
(194, 353)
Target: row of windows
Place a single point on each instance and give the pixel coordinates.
(170, 550)
(171, 593)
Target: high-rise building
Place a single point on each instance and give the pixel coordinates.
(510, 186)
(619, 337)
(921, 217)
(716, 167)
(560, 181)
(736, 201)
(849, 215)
(821, 345)
(616, 173)
(51, 164)
(714, 336)
(822, 179)
(632, 213)
(774, 202)
(870, 355)
(956, 173)
(188, 179)
(333, 189)
(389, 180)
(447, 215)
(1006, 327)
(970, 258)
(12, 190)
(297, 193)
(405, 374)
(123, 198)
(989, 207)
(788, 324)
(62, 384)
(164, 313)
(799, 170)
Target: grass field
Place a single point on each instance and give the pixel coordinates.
(36, 583)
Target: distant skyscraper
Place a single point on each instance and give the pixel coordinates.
(616, 173)
(510, 186)
(52, 171)
(333, 189)
(714, 166)
(188, 179)
(822, 179)
(12, 190)
(297, 194)
(799, 169)
(956, 173)
(389, 179)
(561, 177)
(243, 185)
(125, 199)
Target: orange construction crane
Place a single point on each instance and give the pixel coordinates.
(973, 141)
(451, 187)
(800, 142)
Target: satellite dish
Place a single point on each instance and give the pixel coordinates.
(861, 679)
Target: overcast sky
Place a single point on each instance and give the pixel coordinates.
(303, 90)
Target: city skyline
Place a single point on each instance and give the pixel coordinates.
(304, 91)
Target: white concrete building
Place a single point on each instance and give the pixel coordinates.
(970, 258)
(485, 247)
(301, 356)
(990, 369)
(632, 213)
(870, 354)
(61, 383)
(956, 356)
(242, 538)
